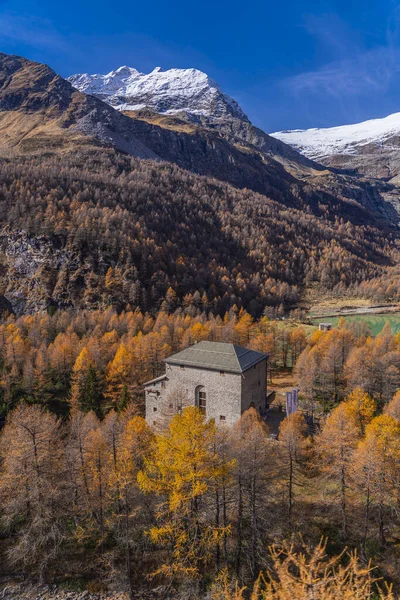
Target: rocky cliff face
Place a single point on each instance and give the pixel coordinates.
(33, 271)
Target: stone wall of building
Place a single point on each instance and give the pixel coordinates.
(223, 391)
(155, 393)
(228, 395)
(254, 382)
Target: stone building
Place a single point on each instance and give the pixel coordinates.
(223, 380)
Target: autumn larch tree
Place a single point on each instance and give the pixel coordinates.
(183, 470)
(292, 432)
(377, 465)
(119, 375)
(130, 512)
(253, 476)
(32, 490)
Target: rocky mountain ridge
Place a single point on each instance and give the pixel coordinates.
(188, 94)
(180, 101)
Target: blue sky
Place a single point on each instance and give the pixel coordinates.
(292, 64)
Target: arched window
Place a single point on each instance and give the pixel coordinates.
(201, 398)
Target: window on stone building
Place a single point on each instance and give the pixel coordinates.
(154, 408)
(222, 373)
(182, 367)
(222, 418)
(201, 398)
(202, 402)
(163, 384)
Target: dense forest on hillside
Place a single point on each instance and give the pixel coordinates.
(99, 496)
(45, 358)
(98, 229)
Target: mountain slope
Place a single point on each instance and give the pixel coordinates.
(83, 224)
(189, 94)
(371, 147)
(40, 110)
(216, 138)
(124, 231)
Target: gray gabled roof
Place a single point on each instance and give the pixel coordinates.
(217, 356)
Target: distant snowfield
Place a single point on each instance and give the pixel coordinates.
(346, 139)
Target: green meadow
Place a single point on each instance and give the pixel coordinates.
(375, 322)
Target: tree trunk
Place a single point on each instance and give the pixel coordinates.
(225, 521)
(254, 566)
(217, 519)
(239, 528)
(290, 498)
(366, 521)
(343, 500)
(127, 547)
(382, 537)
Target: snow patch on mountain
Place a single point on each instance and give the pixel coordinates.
(167, 92)
(347, 139)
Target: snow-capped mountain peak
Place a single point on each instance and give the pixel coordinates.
(166, 92)
(318, 144)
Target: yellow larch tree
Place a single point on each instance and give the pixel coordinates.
(335, 448)
(360, 406)
(292, 433)
(97, 464)
(337, 442)
(393, 407)
(300, 572)
(377, 468)
(32, 485)
(243, 328)
(119, 374)
(252, 450)
(183, 470)
(128, 516)
(79, 371)
(63, 353)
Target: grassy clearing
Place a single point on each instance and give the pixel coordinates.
(375, 322)
(290, 325)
